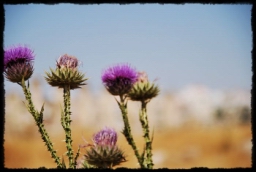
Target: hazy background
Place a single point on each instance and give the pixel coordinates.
(199, 54)
(179, 44)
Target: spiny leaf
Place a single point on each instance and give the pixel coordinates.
(41, 114)
(143, 153)
(152, 137)
(55, 75)
(63, 163)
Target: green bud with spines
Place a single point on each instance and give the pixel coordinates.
(61, 77)
(66, 73)
(143, 90)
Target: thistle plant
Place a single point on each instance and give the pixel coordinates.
(104, 153)
(119, 80)
(67, 76)
(144, 91)
(18, 67)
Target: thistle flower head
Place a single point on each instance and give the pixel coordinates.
(106, 136)
(119, 79)
(18, 63)
(66, 73)
(143, 90)
(105, 153)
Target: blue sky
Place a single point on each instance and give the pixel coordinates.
(178, 44)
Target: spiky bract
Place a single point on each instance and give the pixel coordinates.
(103, 156)
(65, 76)
(17, 71)
(143, 91)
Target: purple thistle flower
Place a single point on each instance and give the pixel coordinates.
(18, 63)
(17, 54)
(119, 79)
(67, 61)
(105, 137)
(105, 153)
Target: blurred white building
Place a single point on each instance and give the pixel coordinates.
(192, 103)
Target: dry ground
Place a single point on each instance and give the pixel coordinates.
(225, 146)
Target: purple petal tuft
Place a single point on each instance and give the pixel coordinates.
(119, 79)
(16, 54)
(67, 61)
(105, 137)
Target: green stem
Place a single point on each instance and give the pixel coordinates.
(127, 130)
(67, 120)
(39, 122)
(148, 162)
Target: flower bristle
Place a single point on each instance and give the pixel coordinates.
(67, 61)
(119, 79)
(17, 53)
(107, 136)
